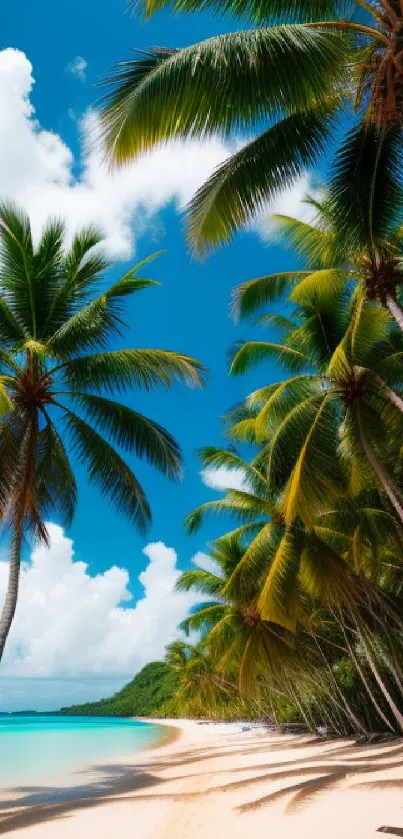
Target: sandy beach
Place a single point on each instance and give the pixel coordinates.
(232, 780)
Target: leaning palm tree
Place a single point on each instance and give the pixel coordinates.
(261, 564)
(283, 599)
(57, 316)
(292, 76)
(341, 403)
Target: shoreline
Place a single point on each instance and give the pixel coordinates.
(200, 775)
(168, 736)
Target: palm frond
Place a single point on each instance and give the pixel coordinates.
(201, 581)
(258, 11)
(241, 505)
(315, 244)
(320, 287)
(252, 295)
(122, 369)
(195, 91)
(132, 431)
(56, 484)
(365, 187)
(107, 469)
(90, 327)
(205, 617)
(246, 182)
(279, 599)
(255, 352)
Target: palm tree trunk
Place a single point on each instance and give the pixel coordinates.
(367, 687)
(356, 724)
(395, 310)
(385, 480)
(10, 603)
(381, 684)
(362, 676)
(394, 398)
(24, 495)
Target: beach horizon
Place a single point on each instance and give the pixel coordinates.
(202, 774)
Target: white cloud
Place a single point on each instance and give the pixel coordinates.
(206, 563)
(289, 203)
(77, 67)
(76, 626)
(37, 170)
(223, 478)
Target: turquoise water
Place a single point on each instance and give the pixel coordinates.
(41, 750)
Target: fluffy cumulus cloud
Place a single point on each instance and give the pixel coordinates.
(223, 478)
(37, 169)
(78, 67)
(75, 626)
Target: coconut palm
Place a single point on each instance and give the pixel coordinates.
(355, 236)
(340, 405)
(266, 558)
(57, 316)
(292, 77)
(284, 599)
(203, 690)
(242, 645)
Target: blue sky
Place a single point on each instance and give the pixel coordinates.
(188, 312)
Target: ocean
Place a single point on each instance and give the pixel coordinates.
(37, 749)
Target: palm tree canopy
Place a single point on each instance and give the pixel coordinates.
(57, 318)
(354, 236)
(303, 63)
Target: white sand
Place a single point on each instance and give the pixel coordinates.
(217, 780)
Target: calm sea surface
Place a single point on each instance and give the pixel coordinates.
(36, 749)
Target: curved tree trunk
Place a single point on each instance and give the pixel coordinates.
(395, 310)
(381, 684)
(393, 397)
(10, 603)
(24, 500)
(382, 474)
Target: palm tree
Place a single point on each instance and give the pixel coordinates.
(262, 561)
(293, 76)
(57, 373)
(289, 605)
(356, 234)
(341, 403)
(241, 644)
(203, 690)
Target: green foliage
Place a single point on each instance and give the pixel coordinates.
(55, 368)
(145, 695)
(302, 65)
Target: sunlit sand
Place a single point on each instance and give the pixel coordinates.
(233, 781)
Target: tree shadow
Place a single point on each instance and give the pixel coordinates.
(313, 773)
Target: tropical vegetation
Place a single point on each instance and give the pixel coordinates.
(307, 68)
(301, 601)
(301, 610)
(145, 695)
(58, 374)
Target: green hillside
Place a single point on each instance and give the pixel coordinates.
(145, 695)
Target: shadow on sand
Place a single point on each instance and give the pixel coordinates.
(313, 774)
